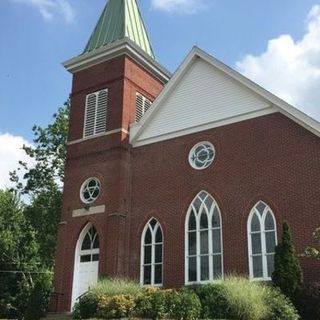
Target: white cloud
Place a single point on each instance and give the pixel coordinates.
(10, 154)
(182, 6)
(289, 68)
(49, 9)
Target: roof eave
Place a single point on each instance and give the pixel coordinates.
(117, 48)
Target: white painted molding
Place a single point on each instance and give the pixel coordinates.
(87, 212)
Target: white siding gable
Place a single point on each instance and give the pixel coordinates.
(204, 95)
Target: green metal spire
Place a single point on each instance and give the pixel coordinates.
(120, 19)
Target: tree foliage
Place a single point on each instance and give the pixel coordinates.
(18, 254)
(314, 252)
(287, 274)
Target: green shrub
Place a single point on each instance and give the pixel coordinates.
(116, 307)
(39, 297)
(115, 286)
(183, 305)
(280, 307)
(308, 301)
(213, 301)
(86, 307)
(152, 303)
(287, 274)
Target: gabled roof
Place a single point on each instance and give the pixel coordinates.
(120, 19)
(273, 103)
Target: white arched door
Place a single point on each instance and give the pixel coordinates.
(86, 265)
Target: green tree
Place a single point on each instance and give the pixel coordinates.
(313, 252)
(43, 180)
(287, 274)
(18, 255)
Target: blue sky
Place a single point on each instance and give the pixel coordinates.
(276, 43)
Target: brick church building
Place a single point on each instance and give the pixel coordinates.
(177, 179)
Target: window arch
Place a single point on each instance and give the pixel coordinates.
(152, 254)
(203, 240)
(89, 250)
(262, 240)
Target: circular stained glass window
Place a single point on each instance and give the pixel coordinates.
(202, 155)
(90, 190)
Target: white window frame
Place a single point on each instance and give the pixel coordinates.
(145, 107)
(198, 242)
(82, 189)
(96, 94)
(263, 240)
(191, 153)
(153, 263)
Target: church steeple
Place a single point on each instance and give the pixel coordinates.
(120, 19)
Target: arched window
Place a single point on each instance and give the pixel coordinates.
(203, 241)
(262, 239)
(152, 254)
(90, 246)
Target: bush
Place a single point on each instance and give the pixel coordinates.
(308, 302)
(183, 305)
(39, 298)
(238, 298)
(213, 301)
(115, 307)
(152, 303)
(87, 307)
(287, 273)
(115, 286)
(280, 307)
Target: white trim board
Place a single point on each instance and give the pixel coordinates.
(276, 104)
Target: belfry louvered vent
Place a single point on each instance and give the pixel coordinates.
(96, 113)
(142, 106)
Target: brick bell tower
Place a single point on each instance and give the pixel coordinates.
(114, 81)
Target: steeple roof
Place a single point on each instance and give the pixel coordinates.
(120, 19)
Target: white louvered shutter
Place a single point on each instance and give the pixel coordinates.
(90, 115)
(96, 113)
(101, 116)
(142, 106)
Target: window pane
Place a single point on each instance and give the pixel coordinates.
(96, 243)
(86, 258)
(158, 274)
(269, 222)
(270, 263)
(158, 253)
(215, 218)
(86, 244)
(257, 267)
(204, 242)
(204, 220)
(260, 207)
(216, 241)
(147, 275)
(159, 235)
(256, 243)
(192, 269)
(209, 202)
(255, 223)
(217, 266)
(197, 203)
(192, 222)
(204, 268)
(148, 237)
(147, 254)
(192, 243)
(95, 257)
(153, 222)
(270, 241)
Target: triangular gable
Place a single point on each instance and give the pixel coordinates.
(204, 93)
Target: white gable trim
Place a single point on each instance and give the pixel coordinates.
(276, 104)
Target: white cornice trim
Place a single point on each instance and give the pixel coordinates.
(115, 49)
(206, 126)
(281, 106)
(108, 133)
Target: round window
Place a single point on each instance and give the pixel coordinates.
(201, 155)
(90, 190)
